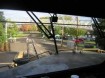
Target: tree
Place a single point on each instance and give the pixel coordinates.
(65, 17)
(44, 17)
(12, 30)
(73, 31)
(2, 32)
(26, 27)
(34, 27)
(99, 39)
(58, 30)
(2, 18)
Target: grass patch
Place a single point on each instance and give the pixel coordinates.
(80, 45)
(89, 42)
(21, 35)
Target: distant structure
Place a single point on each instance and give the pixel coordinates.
(85, 24)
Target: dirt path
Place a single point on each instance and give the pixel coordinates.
(40, 44)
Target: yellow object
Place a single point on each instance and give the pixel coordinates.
(20, 55)
(93, 49)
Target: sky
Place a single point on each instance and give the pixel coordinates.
(16, 15)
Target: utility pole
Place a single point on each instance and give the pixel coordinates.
(6, 31)
(6, 42)
(77, 26)
(77, 34)
(62, 31)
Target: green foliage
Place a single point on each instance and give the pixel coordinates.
(58, 30)
(102, 27)
(65, 17)
(2, 34)
(2, 18)
(75, 32)
(13, 30)
(81, 32)
(70, 31)
(48, 27)
(44, 18)
(2, 30)
(34, 28)
(67, 30)
(101, 22)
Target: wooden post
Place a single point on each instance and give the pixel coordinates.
(62, 32)
(76, 47)
(62, 36)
